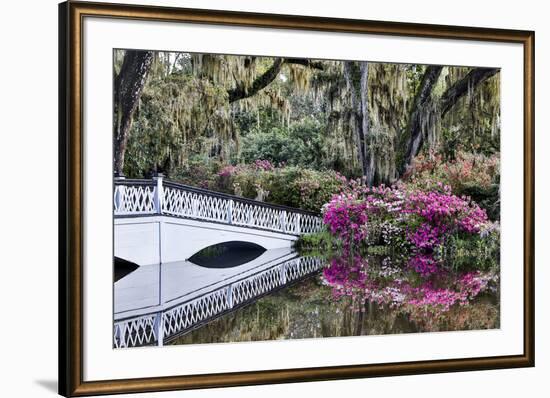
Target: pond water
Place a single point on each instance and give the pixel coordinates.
(361, 296)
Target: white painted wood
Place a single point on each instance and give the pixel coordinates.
(179, 201)
(137, 238)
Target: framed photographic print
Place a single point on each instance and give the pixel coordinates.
(251, 198)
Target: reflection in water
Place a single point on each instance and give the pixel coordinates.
(370, 296)
(227, 254)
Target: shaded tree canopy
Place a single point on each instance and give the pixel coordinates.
(359, 118)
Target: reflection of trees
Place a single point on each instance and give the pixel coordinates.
(336, 303)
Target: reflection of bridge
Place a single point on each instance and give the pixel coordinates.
(160, 224)
(180, 296)
(160, 221)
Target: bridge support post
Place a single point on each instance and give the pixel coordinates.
(159, 192)
(283, 221)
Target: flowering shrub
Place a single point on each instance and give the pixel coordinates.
(474, 175)
(347, 217)
(263, 165)
(418, 222)
(466, 170)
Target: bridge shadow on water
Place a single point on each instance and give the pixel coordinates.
(122, 268)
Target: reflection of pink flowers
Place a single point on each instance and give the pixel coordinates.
(354, 278)
(462, 290)
(424, 264)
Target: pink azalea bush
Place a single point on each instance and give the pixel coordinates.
(414, 221)
(427, 216)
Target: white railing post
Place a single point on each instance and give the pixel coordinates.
(283, 220)
(159, 192)
(282, 275)
(298, 220)
(119, 193)
(194, 205)
(230, 296)
(159, 329)
(230, 212)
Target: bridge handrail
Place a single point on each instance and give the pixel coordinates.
(145, 197)
(189, 188)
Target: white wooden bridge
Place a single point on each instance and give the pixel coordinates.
(159, 225)
(158, 221)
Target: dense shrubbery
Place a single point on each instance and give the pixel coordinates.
(301, 144)
(473, 175)
(285, 185)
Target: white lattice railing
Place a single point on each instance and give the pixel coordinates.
(155, 328)
(158, 197)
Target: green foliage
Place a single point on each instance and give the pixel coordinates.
(198, 171)
(321, 244)
(290, 186)
(300, 145)
(479, 252)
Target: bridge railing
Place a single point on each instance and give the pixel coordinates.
(138, 197)
(160, 326)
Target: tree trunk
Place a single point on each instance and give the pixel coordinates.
(241, 92)
(128, 86)
(357, 82)
(369, 167)
(415, 135)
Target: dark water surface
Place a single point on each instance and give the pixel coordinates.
(308, 309)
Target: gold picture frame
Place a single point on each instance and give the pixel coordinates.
(71, 16)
